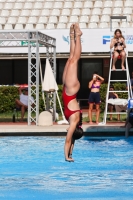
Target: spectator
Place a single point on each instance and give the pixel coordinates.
(94, 97)
(118, 43)
(22, 103)
(112, 95)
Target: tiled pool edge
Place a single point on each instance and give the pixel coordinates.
(60, 130)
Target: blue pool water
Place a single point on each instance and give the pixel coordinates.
(34, 168)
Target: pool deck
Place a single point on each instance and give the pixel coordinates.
(22, 129)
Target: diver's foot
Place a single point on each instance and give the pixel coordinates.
(113, 68)
(123, 68)
(97, 123)
(72, 32)
(110, 119)
(78, 32)
(69, 160)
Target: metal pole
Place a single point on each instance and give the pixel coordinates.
(29, 79)
(54, 68)
(37, 79)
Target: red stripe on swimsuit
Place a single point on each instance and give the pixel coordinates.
(66, 100)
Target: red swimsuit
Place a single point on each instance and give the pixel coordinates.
(66, 100)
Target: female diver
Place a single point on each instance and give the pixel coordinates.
(71, 86)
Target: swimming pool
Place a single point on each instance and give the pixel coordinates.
(34, 168)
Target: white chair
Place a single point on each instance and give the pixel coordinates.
(58, 5)
(124, 25)
(63, 19)
(96, 11)
(22, 20)
(73, 19)
(31, 1)
(40, 26)
(78, 4)
(92, 25)
(76, 12)
(25, 13)
(106, 11)
(29, 26)
(61, 26)
(45, 12)
(35, 12)
(8, 27)
(129, 18)
(15, 13)
(129, 3)
(19, 26)
(117, 11)
(32, 20)
(10, 1)
(2, 20)
(53, 19)
(84, 19)
(108, 4)
(65, 12)
(38, 5)
(94, 18)
(8, 6)
(103, 25)
(18, 6)
(82, 25)
(118, 4)
(88, 4)
(4, 13)
(86, 11)
(98, 4)
(27, 5)
(127, 11)
(42, 20)
(12, 20)
(48, 5)
(68, 25)
(55, 12)
(105, 18)
(67, 4)
(115, 25)
(21, 1)
(50, 26)
(1, 6)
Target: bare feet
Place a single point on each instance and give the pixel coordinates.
(72, 32)
(69, 160)
(78, 32)
(91, 123)
(97, 123)
(113, 68)
(123, 68)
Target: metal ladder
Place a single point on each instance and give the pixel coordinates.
(127, 80)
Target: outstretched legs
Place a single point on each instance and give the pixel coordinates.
(71, 83)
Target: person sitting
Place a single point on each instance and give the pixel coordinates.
(118, 42)
(22, 103)
(112, 95)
